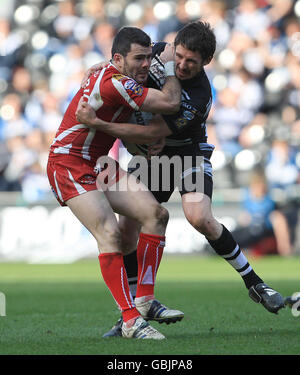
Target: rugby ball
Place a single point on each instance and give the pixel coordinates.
(138, 118)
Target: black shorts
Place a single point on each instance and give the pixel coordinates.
(187, 168)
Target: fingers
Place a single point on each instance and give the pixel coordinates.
(81, 109)
(81, 105)
(84, 112)
(170, 48)
(156, 149)
(78, 113)
(85, 78)
(81, 101)
(88, 73)
(168, 53)
(153, 150)
(91, 71)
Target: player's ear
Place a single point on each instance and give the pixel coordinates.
(118, 58)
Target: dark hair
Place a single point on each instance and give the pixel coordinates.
(197, 37)
(127, 36)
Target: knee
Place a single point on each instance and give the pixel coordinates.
(203, 224)
(154, 217)
(161, 215)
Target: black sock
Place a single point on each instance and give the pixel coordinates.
(226, 247)
(131, 266)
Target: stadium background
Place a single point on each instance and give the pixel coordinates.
(45, 47)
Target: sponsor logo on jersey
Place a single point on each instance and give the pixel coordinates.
(132, 85)
(118, 76)
(87, 179)
(188, 106)
(188, 115)
(185, 118)
(180, 122)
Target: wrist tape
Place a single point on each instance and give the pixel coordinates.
(170, 68)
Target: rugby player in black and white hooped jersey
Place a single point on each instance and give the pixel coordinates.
(186, 136)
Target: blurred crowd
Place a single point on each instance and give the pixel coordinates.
(45, 47)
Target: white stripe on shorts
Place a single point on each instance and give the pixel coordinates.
(78, 187)
(57, 187)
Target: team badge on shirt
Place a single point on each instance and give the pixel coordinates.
(187, 115)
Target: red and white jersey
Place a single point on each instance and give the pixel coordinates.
(114, 97)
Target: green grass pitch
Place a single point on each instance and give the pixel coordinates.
(64, 309)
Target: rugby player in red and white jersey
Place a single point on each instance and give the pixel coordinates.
(77, 180)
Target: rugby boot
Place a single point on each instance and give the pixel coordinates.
(116, 330)
(268, 297)
(138, 328)
(154, 310)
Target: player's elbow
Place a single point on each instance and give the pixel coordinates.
(172, 107)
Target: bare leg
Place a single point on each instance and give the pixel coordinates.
(133, 200)
(95, 213)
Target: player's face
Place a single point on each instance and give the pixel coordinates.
(137, 63)
(187, 63)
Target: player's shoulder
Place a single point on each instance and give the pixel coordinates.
(115, 76)
(197, 96)
(201, 80)
(112, 73)
(199, 86)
